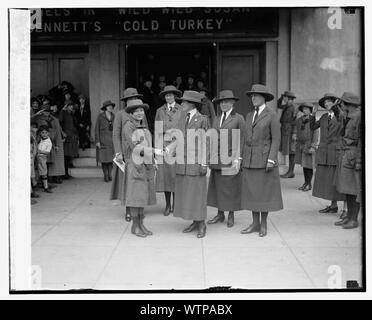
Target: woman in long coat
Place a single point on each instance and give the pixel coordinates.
(326, 156)
(56, 164)
(349, 165)
(69, 126)
(168, 115)
(191, 181)
(261, 191)
(119, 177)
(224, 189)
(140, 171)
(307, 143)
(83, 116)
(103, 138)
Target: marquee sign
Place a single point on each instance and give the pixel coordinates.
(69, 23)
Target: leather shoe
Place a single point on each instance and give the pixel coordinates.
(343, 214)
(351, 224)
(288, 175)
(230, 220)
(216, 219)
(166, 211)
(307, 188)
(329, 209)
(342, 222)
(250, 229)
(302, 187)
(202, 230)
(191, 227)
(263, 230)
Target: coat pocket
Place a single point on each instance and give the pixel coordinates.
(349, 160)
(138, 172)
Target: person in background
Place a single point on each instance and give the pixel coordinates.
(204, 78)
(118, 191)
(307, 144)
(190, 85)
(178, 83)
(349, 163)
(43, 149)
(207, 108)
(200, 84)
(35, 106)
(103, 138)
(140, 171)
(261, 190)
(288, 125)
(70, 135)
(224, 190)
(83, 117)
(330, 127)
(190, 201)
(169, 114)
(33, 153)
(149, 98)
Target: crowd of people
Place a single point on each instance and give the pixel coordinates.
(60, 123)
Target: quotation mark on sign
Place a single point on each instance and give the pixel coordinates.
(35, 18)
(335, 20)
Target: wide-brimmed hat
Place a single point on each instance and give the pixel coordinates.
(306, 105)
(192, 96)
(131, 93)
(350, 98)
(225, 95)
(170, 89)
(289, 94)
(134, 104)
(327, 96)
(262, 90)
(106, 104)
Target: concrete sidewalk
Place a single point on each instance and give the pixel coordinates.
(81, 240)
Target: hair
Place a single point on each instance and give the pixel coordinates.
(42, 128)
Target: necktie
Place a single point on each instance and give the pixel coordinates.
(187, 120)
(255, 115)
(223, 118)
(170, 108)
(329, 118)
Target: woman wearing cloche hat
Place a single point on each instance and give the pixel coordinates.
(167, 116)
(261, 191)
(140, 170)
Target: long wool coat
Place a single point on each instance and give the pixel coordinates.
(166, 174)
(347, 179)
(103, 135)
(69, 127)
(306, 139)
(326, 157)
(140, 180)
(261, 190)
(224, 191)
(190, 202)
(288, 124)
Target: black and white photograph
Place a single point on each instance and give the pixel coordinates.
(186, 148)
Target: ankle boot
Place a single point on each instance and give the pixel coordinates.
(263, 225)
(230, 219)
(136, 229)
(255, 226)
(142, 226)
(220, 217)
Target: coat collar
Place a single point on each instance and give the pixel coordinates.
(262, 115)
(228, 119)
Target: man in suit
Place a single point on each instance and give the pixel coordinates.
(261, 191)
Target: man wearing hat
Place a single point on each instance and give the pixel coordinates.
(140, 172)
(330, 126)
(103, 138)
(191, 181)
(224, 188)
(261, 191)
(307, 143)
(287, 120)
(118, 177)
(166, 120)
(349, 165)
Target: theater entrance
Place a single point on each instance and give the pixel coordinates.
(211, 65)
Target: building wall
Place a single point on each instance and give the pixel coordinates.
(323, 59)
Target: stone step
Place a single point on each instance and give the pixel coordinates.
(82, 162)
(86, 172)
(87, 153)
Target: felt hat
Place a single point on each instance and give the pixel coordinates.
(134, 104)
(192, 96)
(262, 90)
(170, 89)
(131, 93)
(350, 98)
(289, 94)
(306, 105)
(327, 96)
(106, 104)
(225, 95)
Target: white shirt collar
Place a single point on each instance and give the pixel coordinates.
(227, 115)
(261, 108)
(331, 113)
(192, 112)
(171, 105)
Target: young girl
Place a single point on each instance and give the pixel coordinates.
(43, 149)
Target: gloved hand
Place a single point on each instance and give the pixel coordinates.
(269, 166)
